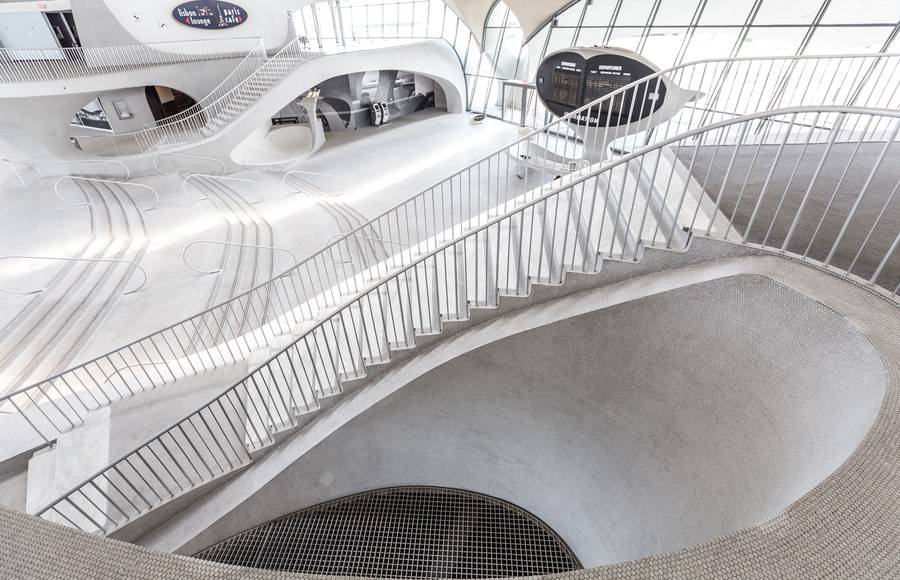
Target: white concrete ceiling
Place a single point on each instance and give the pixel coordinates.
(531, 13)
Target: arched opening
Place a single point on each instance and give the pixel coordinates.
(123, 111)
(165, 101)
(503, 58)
(345, 103)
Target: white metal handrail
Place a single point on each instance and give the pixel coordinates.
(97, 180)
(159, 169)
(219, 243)
(447, 210)
(568, 228)
(27, 64)
(216, 113)
(336, 237)
(66, 259)
(251, 62)
(151, 363)
(184, 184)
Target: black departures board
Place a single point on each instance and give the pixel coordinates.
(565, 87)
(567, 81)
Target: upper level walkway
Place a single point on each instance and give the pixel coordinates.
(283, 77)
(36, 72)
(253, 91)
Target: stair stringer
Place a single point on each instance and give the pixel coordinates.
(163, 527)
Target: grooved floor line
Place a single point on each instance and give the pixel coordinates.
(241, 267)
(345, 216)
(53, 327)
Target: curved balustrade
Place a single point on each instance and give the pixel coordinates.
(335, 237)
(255, 58)
(216, 112)
(40, 64)
(151, 363)
(573, 226)
(66, 259)
(97, 180)
(447, 210)
(218, 243)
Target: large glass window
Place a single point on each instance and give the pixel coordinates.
(792, 12)
(730, 13)
(668, 32)
(711, 42)
(768, 41)
(856, 12)
(571, 16)
(675, 12)
(634, 13)
(662, 45)
(848, 39)
(501, 58)
(599, 12)
(592, 36)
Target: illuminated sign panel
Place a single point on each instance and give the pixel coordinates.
(569, 80)
(209, 14)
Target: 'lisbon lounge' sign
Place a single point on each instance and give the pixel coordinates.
(209, 14)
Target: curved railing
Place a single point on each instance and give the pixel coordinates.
(251, 62)
(41, 64)
(445, 211)
(822, 217)
(218, 108)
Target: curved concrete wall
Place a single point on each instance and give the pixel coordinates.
(50, 130)
(641, 428)
(433, 58)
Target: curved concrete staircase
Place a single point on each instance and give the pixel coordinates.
(574, 225)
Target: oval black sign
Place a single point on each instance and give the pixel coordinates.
(209, 14)
(567, 81)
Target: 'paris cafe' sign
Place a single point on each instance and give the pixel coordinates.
(209, 14)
